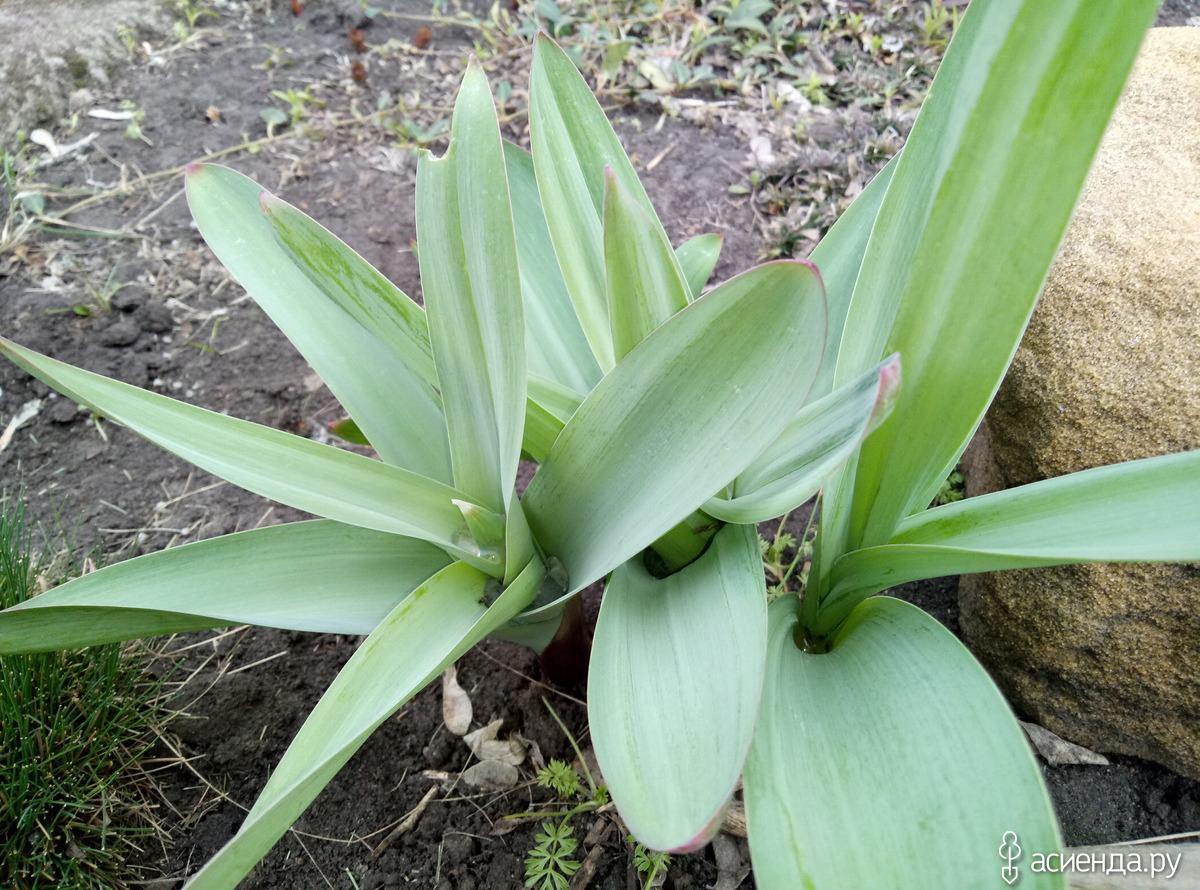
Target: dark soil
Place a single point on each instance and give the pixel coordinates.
(179, 325)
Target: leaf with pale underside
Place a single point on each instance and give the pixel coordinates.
(690, 406)
(673, 687)
(423, 635)
(312, 576)
(817, 441)
(378, 372)
(890, 761)
(472, 289)
(297, 472)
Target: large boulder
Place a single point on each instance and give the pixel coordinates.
(1108, 371)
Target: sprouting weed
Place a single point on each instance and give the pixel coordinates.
(549, 866)
(560, 778)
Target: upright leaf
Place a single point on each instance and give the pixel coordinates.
(558, 349)
(697, 258)
(673, 687)
(979, 200)
(572, 143)
(839, 256)
(334, 309)
(678, 419)
(429, 630)
(890, 761)
(472, 288)
(319, 576)
(645, 284)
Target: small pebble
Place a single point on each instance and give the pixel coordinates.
(122, 332)
(156, 318)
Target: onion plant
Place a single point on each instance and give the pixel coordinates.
(667, 418)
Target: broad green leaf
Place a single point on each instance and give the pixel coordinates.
(978, 203)
(645, 283)
(381, 381)
(817, 441)
(839, 257)
(558, 349)
(355, 285)
(298, 472)
(572, 143)
(1068, 519)
(472, 288)
(890, 761)
(431, 628)
(697, 258)
(673, 688)
(678, 419)
(318, 576)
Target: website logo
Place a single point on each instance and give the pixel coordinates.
(1010, 850)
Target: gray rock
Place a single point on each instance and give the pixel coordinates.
(122, 332)
(1109, 370)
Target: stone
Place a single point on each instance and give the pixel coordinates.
(1109, 370)
(122, 332)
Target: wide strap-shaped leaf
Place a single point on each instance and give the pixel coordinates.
(890, 761)
(472, 289)
(817, 441)
(697, 258)
(294, 471)
(429, 630)
(318, 576)
(335, 309)
(572, 143)
(645, 283)
(839, 256)
(979, 201)
(673, 687)
(678, 419)
(557, 347)
(1068, 519)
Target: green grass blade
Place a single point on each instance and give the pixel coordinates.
(687, 409)
(298, 472)
(572, 143)
(818, 440)
(335, 309)
(891, 761)
(673, 687)
(315, 576)
(558, 349)
(429, 630)
(839, 257)
(979, 201)
(1068, 519)
(697, 258)
(645, 284)
(472, 287)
